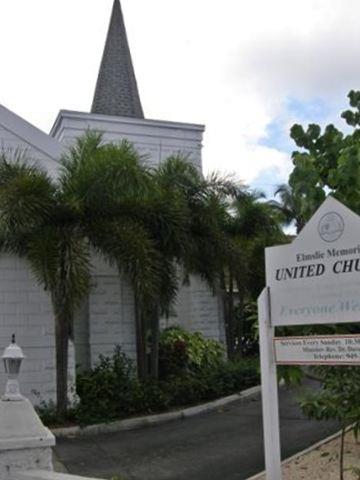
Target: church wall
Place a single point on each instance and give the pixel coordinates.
(105, 320)
(111, 313)
(112, 320)
(155, 139)
(25, 310)
(197, 309)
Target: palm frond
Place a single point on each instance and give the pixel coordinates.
(27, 196)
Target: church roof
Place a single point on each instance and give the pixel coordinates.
(28, 136)
(116, 89)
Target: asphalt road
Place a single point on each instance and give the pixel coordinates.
(222, 445)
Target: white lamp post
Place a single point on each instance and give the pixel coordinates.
(12, 358)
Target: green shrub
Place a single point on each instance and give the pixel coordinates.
(112, 391)
(233, 376)
(186, 390)
(48, 413)
(227, 378)
(150, 397)
(181, 352)
(108, 390)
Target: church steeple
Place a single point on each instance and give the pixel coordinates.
(116, 89)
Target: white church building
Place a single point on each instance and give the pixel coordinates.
(107, 317)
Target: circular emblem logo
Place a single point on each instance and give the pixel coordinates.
(331, 227)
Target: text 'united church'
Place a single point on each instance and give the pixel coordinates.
(318, 269)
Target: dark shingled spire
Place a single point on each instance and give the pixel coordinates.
(116, 89)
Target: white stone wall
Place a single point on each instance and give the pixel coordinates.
(112, 320)
(25, 310)
(111, 313)
(155, 139)
(106, 320)
(197, 309)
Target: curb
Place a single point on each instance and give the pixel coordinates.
(58, 466)
(150, 420)
(315, 446)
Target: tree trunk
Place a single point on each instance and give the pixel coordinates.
(240, 325)
(61, 342)
(226, 314)
(232, 327)
(299, 224)
(140, 341)
(155, 337)
(342, 447)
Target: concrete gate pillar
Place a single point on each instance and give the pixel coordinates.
(25, 444)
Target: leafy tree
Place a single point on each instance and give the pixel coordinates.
(328, 161)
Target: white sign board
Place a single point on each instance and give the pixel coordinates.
(316, 305)
(324, 260)
(313, 280)
(318, 350)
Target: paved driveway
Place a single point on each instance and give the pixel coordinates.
(223, 445)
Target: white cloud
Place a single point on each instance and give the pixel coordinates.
(321, 64)
(247, 160)
(231, 66)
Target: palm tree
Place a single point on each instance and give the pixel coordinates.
(161, 226)
(207, 247)
(290, 206)
(152, 224)
(203, 244)
(36, 224)
(127, 220)
(252, 225)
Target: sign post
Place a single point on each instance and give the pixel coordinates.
(313, 280)
(269, 389)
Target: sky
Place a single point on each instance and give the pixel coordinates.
(247, 69)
